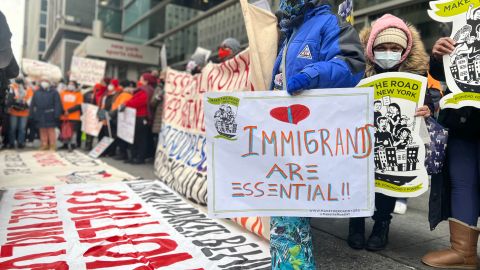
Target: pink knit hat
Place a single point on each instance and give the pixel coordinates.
(385, 22)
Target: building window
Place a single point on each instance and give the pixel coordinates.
(43, 32)
(44, 5)
(43, 18)
(41, 46)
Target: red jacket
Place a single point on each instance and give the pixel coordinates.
(98, 92)
(139, 102)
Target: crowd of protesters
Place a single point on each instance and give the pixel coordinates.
(337, 57)
(40, 109)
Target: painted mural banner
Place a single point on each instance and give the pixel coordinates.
(87, 71)
(270, 154)
(181, 154)
(399, 151)
(37, 168)
(126, 125)
(118, 226)
(90, 123)
(462, 67)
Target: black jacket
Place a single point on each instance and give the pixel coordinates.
(462, 123)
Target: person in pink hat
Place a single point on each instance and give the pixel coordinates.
(390, 46)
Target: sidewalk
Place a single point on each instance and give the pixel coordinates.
(410, 236)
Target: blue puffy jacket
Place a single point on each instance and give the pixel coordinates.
(325, 48)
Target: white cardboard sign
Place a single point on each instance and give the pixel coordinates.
(87, 71)
(270, 154)
(126, 125)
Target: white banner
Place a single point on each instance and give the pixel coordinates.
(126, 125)
(90, 123)
(110, 226)
(38, 70)
(270, 154)
(399, 150)
(87, 71)
(36, 168)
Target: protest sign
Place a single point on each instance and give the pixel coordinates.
(101, 147)
(399, 150)
(110, 226)
(87, 71)
(36, 168)
(345, 11)
(41, 70)
(126, 125)
(90, 123)
(273, 155)
(462, 67)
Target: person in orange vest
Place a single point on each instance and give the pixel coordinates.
(105, 105)
(19, 111)
(72, 100)
(124, 94)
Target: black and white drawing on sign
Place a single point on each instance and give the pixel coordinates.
(394, 149)
(465, 59)
(225, 121)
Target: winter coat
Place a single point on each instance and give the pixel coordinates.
(461, 123)
(139, 102)
(46, 108)
(326, 49)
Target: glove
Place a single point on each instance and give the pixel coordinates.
(122, 108)
(297, 83)
(101, 115)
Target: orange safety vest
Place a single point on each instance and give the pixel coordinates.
(27, 99)
(71, 99)
(121, 100)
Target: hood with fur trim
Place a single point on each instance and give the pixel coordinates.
(416, 62)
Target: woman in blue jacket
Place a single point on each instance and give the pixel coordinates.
(318, 50)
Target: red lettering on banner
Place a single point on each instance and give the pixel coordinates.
(105, 245)
(44, 193)
(48, 160)
(97, 200)
(19, 263)
(7, 249)
(148, 258)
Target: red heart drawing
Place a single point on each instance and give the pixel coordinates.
(293, 114)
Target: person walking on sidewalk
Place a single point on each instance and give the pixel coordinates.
(46, 109)
(18, 111)
(390, 46)
(72, 100)
(318, 51)
(455, 192)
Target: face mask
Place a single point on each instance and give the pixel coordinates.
(45, 85)
(71, 88)
(191, 66)
(388, 59)
(224, 53)
(110, 87)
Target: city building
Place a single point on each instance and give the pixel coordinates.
(35, 28)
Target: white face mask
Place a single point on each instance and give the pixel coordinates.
(110, 87)
(45, 85)
(387, 59)
(71, 88)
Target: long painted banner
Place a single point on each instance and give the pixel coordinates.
(181, 160)
(39, 168)
(131, 225)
